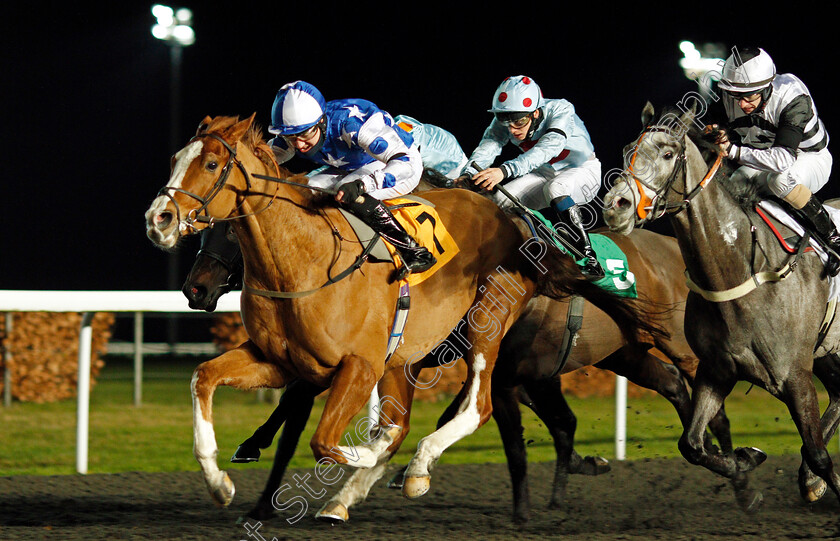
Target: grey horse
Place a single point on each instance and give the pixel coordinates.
(756, 313)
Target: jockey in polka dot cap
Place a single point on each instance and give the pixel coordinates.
(557, 166)
(368, 158)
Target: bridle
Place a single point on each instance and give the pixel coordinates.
(756, 278)
(201, 214)
(646, 206)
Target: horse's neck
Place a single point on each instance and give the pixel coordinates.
(714, 234)
(279, 242)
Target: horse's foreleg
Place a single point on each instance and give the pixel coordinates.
(290, 401)
(349, 392)
(827, 369)
(687, 365)
(296, 403)
(707, 400)
(551, 407)
(509, 420)
(242, 368)
(801, 399)
(393, 412)
(645, 370)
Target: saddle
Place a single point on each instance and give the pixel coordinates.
(419, 218)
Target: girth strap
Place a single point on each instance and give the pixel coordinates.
(574, 322)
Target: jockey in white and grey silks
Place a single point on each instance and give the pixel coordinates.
(368, 158)
(557, 167)
(776, 136)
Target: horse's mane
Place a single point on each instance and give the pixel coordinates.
(744, 193)
(255, 141)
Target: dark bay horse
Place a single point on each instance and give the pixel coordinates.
(523, 373)
(767, 334)
(292, 243)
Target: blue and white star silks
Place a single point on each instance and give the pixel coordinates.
(359, 134)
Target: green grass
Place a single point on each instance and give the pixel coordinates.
(157, 436)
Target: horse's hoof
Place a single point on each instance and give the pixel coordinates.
(223, 493)
(245, 454)
(751, 502)
(414, 487)
(594, 465)
(397, 480)
(333, 512)
(749, 458)
(812, 492)
(521, 517)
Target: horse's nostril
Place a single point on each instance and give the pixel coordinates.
(622, 203)
(163, 219)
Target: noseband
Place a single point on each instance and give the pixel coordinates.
(657, 205)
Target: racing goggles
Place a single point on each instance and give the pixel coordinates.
(516, 120)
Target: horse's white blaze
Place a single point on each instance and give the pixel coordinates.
(463, 424)
(204, 439)
(183, 159)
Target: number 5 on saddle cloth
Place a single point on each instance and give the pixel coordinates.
(617, 278)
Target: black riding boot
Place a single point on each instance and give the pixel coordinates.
(373, 212)
(816, 218)
(578, 237)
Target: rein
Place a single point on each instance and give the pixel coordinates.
(201, 215)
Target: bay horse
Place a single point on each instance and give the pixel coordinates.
(524, 373)
(767, 334)
(334, 333)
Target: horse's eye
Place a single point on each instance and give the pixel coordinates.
(668, 155)
(211, 166)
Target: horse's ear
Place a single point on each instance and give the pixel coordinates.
(688, 116)
(203, 125)
(239, 129)
(647, 114)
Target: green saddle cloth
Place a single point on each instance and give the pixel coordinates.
(617, 275)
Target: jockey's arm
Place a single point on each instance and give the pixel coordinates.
(488, 149)
(790, 133)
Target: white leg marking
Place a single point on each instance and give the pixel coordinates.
(463, 424)
(204, 441)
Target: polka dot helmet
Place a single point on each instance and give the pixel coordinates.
(519, 94)
(297, 107)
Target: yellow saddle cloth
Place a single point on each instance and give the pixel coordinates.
(425, 226)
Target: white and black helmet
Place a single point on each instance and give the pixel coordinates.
(747, 70)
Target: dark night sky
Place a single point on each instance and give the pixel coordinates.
(87, 123)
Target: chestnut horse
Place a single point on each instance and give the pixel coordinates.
(770, 330)
(335, 332)
(527, 360)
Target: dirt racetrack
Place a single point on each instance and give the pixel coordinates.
(648, 499)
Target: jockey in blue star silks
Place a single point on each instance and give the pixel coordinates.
(557, 166)
(368, 158)
(775, 135)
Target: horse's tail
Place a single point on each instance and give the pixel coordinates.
(562, 278)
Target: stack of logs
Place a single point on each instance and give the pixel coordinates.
(44, 360)
(228, 333)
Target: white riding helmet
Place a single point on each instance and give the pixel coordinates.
(748, 70)
(519, 94)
